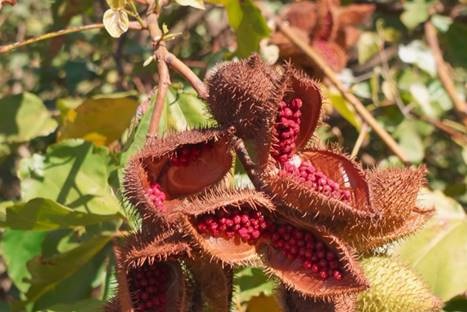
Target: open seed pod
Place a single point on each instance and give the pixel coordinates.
(242, 94)
(309, 260)
(297, 114)
(150, 277)
(321, 184)
(169, 169)
(214, 284)
(394, 196)
(294, 302)
(226, 224)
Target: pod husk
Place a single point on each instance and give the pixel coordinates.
(152, 163)
(296, 278)
(227, 251)
(243, 94)
(394, 196)
(294, 302)
(314, 205)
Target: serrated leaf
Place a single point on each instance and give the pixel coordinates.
(116, 22)
(198, 4)
(18, 248)
(438, 251)
(42, 214)
(46, 274)
(99, 120)
(73, 173)
(24, 117)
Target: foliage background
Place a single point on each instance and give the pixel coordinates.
(69, 120)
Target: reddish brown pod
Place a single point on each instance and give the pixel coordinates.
(242, 228)
(179, 165)
(393, 194)
(331, 29)
(149, 275)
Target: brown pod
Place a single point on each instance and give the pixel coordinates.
(242, 94)
(310, 261)
(151, 282)
(179, 165)
(214, 283)
(394, 197)
(294, 302)
(322, 184)
(204, 217)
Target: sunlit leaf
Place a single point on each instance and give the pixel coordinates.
(88, 305)
(42, 214)
(100, 120)
(116, 22)
(415, 13)
(417, 53)
(116, 4)
(24, 117)
(252, 282)
(198, 4)
(73, 173)
(341, 106)
(368, 45)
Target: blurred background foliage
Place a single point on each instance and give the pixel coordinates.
(75, 108)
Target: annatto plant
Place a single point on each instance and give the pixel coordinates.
(313, 219)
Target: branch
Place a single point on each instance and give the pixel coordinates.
(353, 100)
(360, 139)
(189, 75)
(443, 72)
(248, 164)
(12, 46)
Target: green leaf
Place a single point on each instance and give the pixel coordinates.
(99, 120)
(342, 107)
(252, 282)
(368, 45)
(73, 173)
(46, 274)
(415, 13)
(410, 141)
(42, 214)
(116, 22)
(247, 22)
(438, 251)
(441, 22)
(198, 4)
(88, 305)
(24, 117)
(18, 248)
(116, 4)
(418, 54)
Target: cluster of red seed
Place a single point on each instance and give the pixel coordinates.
(247, 227)
(188, 153)
(325, 27)
(287, 128)
(303, 245)
(156, 195)
(317, 180)
(148, 287)
(293, 242)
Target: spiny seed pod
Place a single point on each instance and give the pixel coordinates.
(242, 228)
(243, 94)
(394, 196)
(321, 184)
(214, 282)
(172, 168)
(394, 288)
(150, 277)
(294, 302)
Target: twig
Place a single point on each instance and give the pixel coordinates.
(248, 164)
(360, 139)
(160, 52)
(189, 75)
(443, 72)
(12, 46)
(359, 107)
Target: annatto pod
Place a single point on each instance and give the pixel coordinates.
(241, 228)
(149, 275)
(294, 302)
(394, 288)
(179, 165)
(243, 94)
(394, 196)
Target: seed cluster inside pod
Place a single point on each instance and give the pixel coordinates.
(188, 153)
(148, 287)
(284, 152)
(294, 244)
